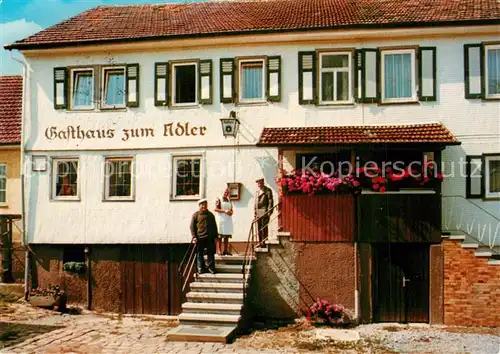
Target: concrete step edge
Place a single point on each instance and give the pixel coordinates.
(209, 317)
(211, 306)
(211, 295)
(470, 245)
(216, 285)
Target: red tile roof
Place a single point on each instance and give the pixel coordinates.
(11, 106)
(434, 133)
(141, 22)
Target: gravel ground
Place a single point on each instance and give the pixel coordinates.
(42, 331)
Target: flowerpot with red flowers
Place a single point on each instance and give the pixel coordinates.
(52, 297)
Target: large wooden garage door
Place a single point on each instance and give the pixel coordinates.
(150, 283)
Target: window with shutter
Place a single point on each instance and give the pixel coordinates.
(184, 84)
(472, 71)
(368, 75)
(335, 78)
(161, 84)
(132, 87)
(227, 80)
(205, 84)
(307, 77)
(113, 87)
(427, 74)
(397, 76)
(60, 88)
(474, 172)
(251, 81)
(274, 78)
(492, 71)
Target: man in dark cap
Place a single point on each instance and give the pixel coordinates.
(263, 208)
(204, 232)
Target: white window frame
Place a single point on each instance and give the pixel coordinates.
(131, 197)
(104, 86)
(53, 181)
(335, 71)
(175, 158)
(487, 193)
(196, 70)
(72, 83)
(262, 99)
(413, 97)
(4, 203)
(488, 47)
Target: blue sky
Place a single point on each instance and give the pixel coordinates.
(21, 18)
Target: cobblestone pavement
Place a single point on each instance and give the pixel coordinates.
(41, 331)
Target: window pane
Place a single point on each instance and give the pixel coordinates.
(119, 178)
(188, 177)
(83, 89)
(493, 71)
(251, 81)
(115, 87)
(327, 86)
(67, 178)
(3, 196)
(397, 76)
(3, 183)
(342, 86)
(185, 83)
(494, 169)
(335, 61)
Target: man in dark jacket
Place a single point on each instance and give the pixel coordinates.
(263, 208)
(204, 232)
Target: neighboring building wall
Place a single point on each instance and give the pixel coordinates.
(12, 157)
(471, 288)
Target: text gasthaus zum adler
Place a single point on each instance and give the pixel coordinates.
(172, 129)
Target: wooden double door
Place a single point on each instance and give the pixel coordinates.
(400, 283)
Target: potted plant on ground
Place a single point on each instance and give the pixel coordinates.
(50, 297)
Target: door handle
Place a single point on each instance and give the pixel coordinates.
(405, 280)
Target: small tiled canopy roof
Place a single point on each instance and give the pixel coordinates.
(434, 133)
(11, 107)
(163, 21)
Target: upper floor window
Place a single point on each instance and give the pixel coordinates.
(335, 77)
(119, 179)
(493, 71)
(82, 89)
(483, 176)
(3, 183)
(113, 92)
(96, 87)
(252, 81)
(398, 76)
(65, 179)
(185, 83)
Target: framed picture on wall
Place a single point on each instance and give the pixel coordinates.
(234, 190)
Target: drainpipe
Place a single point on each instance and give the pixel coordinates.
(23, 205)
(356, 290)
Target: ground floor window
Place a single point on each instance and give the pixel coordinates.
(492, 176)
(483, 176)
(119, 179)
(187, 177)
(65, 179)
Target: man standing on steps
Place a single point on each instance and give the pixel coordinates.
(204, 232)
(263, 208)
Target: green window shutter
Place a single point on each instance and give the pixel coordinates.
(161, 84)
(427, 74)
(357, 75)
(307, 78)
(474, 71)
(132, 86)
(475, 184)
(60, 88)
(369, 78)
(227, 84)
(274, 78)
(205, 81)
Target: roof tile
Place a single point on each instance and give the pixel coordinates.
(11, 107)
(418, 133)
(119, 23)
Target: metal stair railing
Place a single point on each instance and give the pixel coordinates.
(457, 214)
(186, 266)
(252, 244)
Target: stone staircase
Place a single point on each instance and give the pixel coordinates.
(214, 307)
(480, 250)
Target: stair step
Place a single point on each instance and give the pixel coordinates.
(216, 287)
(494, 262)
(229, 268)
(262, 250)
(220, 277)
(470, 245)
(201, 333)
(457, 237)
(212, 308)
(209, 318)
(483, 253)
(233, 258)
(211, 297)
